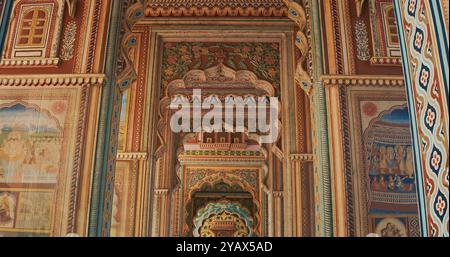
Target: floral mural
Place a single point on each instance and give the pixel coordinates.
(261, 58)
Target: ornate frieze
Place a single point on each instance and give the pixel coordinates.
(218, 8)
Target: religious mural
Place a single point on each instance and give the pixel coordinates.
(389, 153)
(29, 141)
(390, 166)
(36, 145)
(386, 186)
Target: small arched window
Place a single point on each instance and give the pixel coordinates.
(33, 27)
(391, 27)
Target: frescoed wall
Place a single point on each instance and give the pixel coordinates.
(50, 82)
(37, 153)
(391, 181)
(86, 146)
(384, 187)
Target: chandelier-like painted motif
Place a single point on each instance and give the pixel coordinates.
(223, 219)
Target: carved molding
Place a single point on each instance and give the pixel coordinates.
(383, 61)
(52, 80)
(302, 157)
(277, 194)
(162, 192)
(220, 76)
(128, 156)
(5, 63)
(363, 80)
(232, 156)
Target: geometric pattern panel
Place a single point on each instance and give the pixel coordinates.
(425, 51)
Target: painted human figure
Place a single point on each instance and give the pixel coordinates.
(391, 183)
(12, 156)
(374, 159)
(403, 161)
(399, 185)
(375, 183)
(383, 164)
(390, 157)
(382, 184)
(6, 208)
(398, 159)
(409, 170)
(390, 231)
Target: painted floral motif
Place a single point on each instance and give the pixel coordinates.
(370, 109)
(59, 107)
(260, 58)
(440, 205)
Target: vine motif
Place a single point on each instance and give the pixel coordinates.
(69, 41)
(362, 41)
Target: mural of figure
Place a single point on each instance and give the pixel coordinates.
(383, 164)
(399, 185)
(375, 186)
(46, 159)
(390, 157)
(12, 156)
(30, 145)
(7, 209)
(382, 185)
(390, 231)
(374, 159)
(403, 161)
(391, 183)
(409, 167)
(398, 159)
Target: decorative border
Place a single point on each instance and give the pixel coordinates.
(52, 80)
(424, 44)
(363, 80)
(230, 8)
